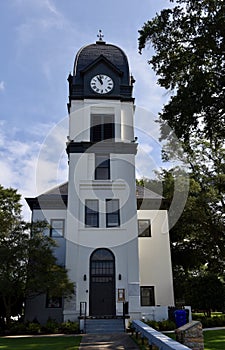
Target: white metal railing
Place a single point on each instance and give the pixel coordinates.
(157, 338)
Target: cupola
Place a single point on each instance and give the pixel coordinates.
(108, 64)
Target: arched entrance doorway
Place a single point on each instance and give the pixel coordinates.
(102, 283)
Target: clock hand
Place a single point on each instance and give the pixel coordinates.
(100, 79)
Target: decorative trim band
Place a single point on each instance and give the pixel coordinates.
(103, 146)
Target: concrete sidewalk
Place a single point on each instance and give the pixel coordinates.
(116, 341)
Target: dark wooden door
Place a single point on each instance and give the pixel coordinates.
(102, 283)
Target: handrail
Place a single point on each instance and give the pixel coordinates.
(83, 309)
(83, 313)
(156, 338)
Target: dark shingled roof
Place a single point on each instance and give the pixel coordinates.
(57, 197)
(58, 190)
(89, 53)
(145, 193)
(141, 192)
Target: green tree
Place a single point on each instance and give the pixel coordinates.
(189, 46)
(189, 59)
(197, 238)
(27, 263)
(205, 292)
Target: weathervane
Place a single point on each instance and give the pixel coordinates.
(100, 35)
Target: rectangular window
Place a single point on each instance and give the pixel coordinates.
(102, 167)
(91, 213)
(102, 127)
(112, 213)
(57, 228)
(144, 228)
(147, 296)
(53, 302)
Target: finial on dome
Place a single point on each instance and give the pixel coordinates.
(100, 37)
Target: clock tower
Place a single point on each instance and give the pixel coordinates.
(101, 227)
(111, 235)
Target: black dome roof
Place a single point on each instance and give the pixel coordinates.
(100, 58)
(89, 53)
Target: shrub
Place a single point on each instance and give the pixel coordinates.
(153, 324)
(33, 328)
(69, 327)
(209, 322)
(165, 325)
(51, 326)
(18, 328)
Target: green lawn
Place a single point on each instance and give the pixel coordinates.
(41, 343)
(213, 340)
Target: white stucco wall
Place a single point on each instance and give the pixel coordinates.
(155, 259)
(79, 258)
(122, 240)
(80, 118)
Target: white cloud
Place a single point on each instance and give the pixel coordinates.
(38, 17)
(145, 123)
(44, 33)
(6, 174)
(52, 165)
(2, 85)
(18, 148)
(36, 7)
(147, 92)
(32, 166)
(49, 4)
(146, 162)
(146, 148)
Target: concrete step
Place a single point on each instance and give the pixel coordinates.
(99, 326)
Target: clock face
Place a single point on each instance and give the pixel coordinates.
(102, 84)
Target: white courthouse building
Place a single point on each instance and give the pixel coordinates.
(112, 235)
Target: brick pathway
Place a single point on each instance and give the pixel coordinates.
(118, 341)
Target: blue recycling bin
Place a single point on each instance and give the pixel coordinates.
(180, 318)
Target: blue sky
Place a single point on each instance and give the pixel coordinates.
(39, 41)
